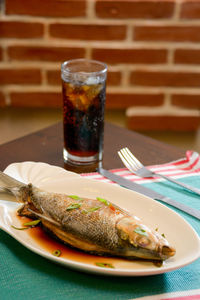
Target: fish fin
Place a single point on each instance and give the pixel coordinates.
(45, 218)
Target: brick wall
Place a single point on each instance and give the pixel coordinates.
(152, 49)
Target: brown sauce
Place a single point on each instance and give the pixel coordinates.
(49, 244)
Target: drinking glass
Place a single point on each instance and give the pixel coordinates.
(84, 93)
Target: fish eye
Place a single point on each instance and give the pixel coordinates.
(143, 241)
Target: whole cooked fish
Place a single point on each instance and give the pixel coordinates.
(92, 225)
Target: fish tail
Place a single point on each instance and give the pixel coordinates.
(8, 181)
(10, 185)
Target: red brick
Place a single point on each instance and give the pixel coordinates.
(174, 123)
(20, 76)
(167, 33)
(2, 100)
(14, 29)
(187, 56)
(36, 99)
(170, 79)
(114, 78)
(88, 32)
(54, 77)
(1, 54)
(186, 101)
(190, 10)
(122, 101)
(134, 9)
(46, 8)
(135, 56)
(34, 53)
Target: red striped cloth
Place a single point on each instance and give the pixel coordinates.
(184, 167)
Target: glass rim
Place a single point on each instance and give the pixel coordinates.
(67, 71)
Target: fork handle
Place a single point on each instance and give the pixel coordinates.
(186, 186)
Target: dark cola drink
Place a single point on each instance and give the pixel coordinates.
(83, 116)
(83, 109)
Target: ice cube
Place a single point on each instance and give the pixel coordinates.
(93, 91)
(92, 80)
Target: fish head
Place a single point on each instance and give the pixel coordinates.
(140, 241)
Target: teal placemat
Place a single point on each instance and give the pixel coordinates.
(25, 275)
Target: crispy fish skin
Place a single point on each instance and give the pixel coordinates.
(94, 226)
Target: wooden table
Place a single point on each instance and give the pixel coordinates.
(46, 146)
(24, 273)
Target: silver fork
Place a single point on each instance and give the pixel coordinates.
(135, 166)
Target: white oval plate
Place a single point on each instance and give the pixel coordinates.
(152, 213)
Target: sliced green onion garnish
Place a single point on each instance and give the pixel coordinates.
(28, 225)
(104, 265)
(140, 231)
(32, 223)
(21, 228)
(103, 200)
(56, 252)
(73, 206)
(75, 197)
(163, 235)
(91, 209)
